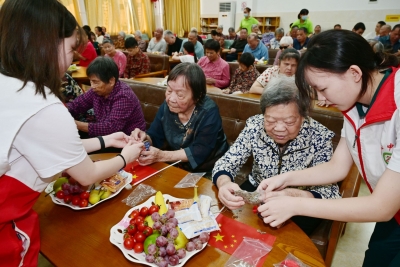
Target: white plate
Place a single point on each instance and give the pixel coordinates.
(61, 202)
(75, 69)
(117, 234)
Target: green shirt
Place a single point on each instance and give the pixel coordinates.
(247, 23)
(306, 24)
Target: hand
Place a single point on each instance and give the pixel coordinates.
(226, 91)
(180, 54)
(275, 183)
(225, 194)
(149, 157)
(233, 50)
(278, 210)
(138, 135)
(132, 151)
(322, 103)
(210, 80)
(118, 140)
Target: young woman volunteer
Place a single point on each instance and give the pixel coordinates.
(38, 136)
(344, 70)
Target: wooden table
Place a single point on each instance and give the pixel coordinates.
(80, 75)
(81, 238)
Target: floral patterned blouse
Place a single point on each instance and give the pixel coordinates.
(120, 44)
(312, 146)
(137, 64)
(243, 80)
(267, 75)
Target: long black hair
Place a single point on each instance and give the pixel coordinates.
(335, 51)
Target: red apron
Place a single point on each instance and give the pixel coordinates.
(19, 224)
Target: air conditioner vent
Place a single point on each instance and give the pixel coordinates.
(224, 7)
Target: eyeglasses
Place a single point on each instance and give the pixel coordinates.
(283, 47)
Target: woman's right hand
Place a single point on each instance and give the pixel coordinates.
(225, 194)
(138, 135)
(131, 151)
(275, 183)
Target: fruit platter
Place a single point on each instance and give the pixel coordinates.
(66, 191)
(73, 68)
(149, 234)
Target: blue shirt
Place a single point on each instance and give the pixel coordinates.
(198, 49)
(298, 46)
(385, 40)
(202, 138)
(260, 51)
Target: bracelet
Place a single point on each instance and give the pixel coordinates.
(123, 160)
(102, 144)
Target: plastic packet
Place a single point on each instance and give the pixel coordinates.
(248, 253)
(188, 214)
(190, 180)
(291, 261)
(140, 193)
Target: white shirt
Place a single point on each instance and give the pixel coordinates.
(187, 58)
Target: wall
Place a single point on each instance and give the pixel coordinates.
(322, 12)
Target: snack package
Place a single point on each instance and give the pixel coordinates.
(113, 183)
(190, 180)
(291, 261)
(207, 222)
(248, 253)
(186, 210)
(140, 193)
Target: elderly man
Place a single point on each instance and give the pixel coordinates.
(293, 32)
(199, 39)
(378, 29)
(302, 40)
(220, 29)
(157, 43)
(115, 105)
(274, 43)
(391, 42)
(174, 43)
(237, 46)
(198, 48)
(141, 43)
(232, 34)
(385, 30)
(256, 47)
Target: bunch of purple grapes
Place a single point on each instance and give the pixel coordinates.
(70, 189)
(163, 252)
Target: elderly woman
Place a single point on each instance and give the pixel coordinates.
(255, 29)
(114, 103)
(281, 139)
(120, 43)
(286, 42)
(187, 124)
(288, 62)
(141, 43)
(275, 42)
(116, 55)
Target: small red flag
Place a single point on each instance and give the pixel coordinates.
(231, 235)
(139, 172)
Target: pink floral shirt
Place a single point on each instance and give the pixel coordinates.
(119, 59)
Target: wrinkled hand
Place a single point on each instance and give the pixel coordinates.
(225, 194)
(278, 209)
(138, 135)
(118, 140)
(132, 151)
(210, 80)
(149, 157)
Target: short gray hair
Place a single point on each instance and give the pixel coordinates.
(220, 27)
(194, 29)
(168, 33)
(231, 29)
(283, 90)
(122, 34)
(280, 31)
(138, 33)
(253, 26)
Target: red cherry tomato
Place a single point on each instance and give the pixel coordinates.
(129, 243)
(144, 211)
(139, 219)
(255, 209)
(148, 231)
(75, 200)
(67, 199)
(132, 229)
(134, 214)
(138, 247)
(140, 237)
(84, 195)
(83, 203)
(141, 226)
(60, 194)
(133, 221)
(153, 208)
(126, 235)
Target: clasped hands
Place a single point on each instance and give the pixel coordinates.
(278, 205)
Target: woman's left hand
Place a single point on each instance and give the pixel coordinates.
(118, 140)
(210, 81)
(150, 156)
(278, 209)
